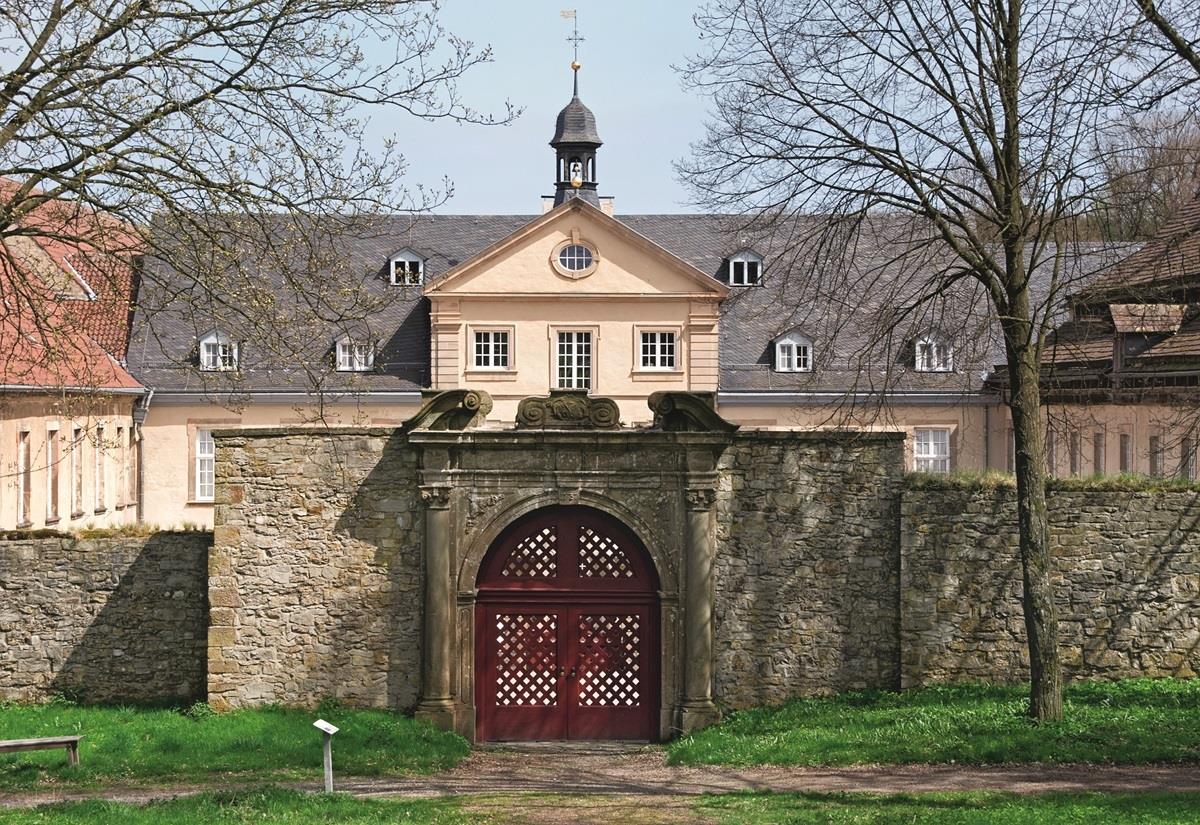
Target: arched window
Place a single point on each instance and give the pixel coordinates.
(933, 354)
(793, 353)
(745, 268)
(406, 268)
(218, 352)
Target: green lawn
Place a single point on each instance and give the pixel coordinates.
(951, 809)
(268, 805)
(273, 805)
(136, 744)
(1129, 722)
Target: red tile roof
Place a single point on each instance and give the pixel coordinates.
(66, 305)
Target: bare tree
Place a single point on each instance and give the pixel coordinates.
(1178, 24)
(1152, 169)
(185, 130)
(982, 122)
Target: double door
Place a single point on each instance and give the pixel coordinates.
(558, 669)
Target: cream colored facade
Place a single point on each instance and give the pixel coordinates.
(67, 462)
(169, 443)
(633, 286)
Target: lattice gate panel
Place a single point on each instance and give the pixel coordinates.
(609, 660)
(601, 556)
(535, 556)
(526, 659)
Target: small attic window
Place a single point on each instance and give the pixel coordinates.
(406, 268)
(218, 353)
(354, 356)
(793, 353)
(745, 269)
(933, 354)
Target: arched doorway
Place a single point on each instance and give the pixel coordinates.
(566, 631)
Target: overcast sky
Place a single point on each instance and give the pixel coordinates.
(644, 117)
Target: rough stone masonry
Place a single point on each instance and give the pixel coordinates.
(828, 572)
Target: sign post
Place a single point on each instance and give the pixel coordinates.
(329, 730)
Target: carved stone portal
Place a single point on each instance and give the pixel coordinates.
(568, 409)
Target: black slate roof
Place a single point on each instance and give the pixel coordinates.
(855, 304)
(575, 124)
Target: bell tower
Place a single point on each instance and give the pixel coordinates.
(575, 143)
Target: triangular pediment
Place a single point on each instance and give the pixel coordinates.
(626, 262)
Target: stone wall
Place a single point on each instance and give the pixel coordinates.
(807, 565)
(1127, 583)
(112, 619)
(315, 585)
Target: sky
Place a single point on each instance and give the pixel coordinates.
(643, 115)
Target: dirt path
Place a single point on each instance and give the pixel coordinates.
(642, 772)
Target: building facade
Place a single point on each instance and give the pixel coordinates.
(583, 297)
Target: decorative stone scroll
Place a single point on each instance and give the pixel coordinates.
(451, 410)
(687, 412)
(568, 409)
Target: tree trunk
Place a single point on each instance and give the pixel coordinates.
(1041, 615)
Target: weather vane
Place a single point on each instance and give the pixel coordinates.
(575, 39)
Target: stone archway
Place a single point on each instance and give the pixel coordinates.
(567, 630)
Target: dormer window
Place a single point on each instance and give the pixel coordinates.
(407, 269)
(354, 356)
(933, 354)
(745, 269)
(218, 352)
(793, 353)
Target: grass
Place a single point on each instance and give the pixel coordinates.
(1129, 722)
(274, 805)
(951, 809)
(197, 745)
(266, 805)
(978, 480)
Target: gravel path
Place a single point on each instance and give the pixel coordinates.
(642, 772)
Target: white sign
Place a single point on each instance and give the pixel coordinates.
(324, 726)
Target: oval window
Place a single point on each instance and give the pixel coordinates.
(575, 257)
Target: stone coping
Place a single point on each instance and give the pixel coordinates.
(527, 435)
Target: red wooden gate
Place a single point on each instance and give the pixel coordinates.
(566, 631)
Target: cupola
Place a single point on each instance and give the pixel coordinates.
(575, 143)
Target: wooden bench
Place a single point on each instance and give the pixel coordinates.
(71, 743)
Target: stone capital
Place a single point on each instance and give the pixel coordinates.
(436, 498)
(700, 498)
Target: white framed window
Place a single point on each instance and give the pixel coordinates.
(574, 360)
(931, 449)
(1126, 458)
(101, 467)
(658, 350)
(745, 269)
(206, 456)
(132, 495)
(53, 456)
(793, 353)
(1098, 459)
(406, 268)
(934, 355)
(24, 478)
(491, 349)
(575, 257)
(122, 486)
(354, 356)
(218, 352)
(77, 472)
